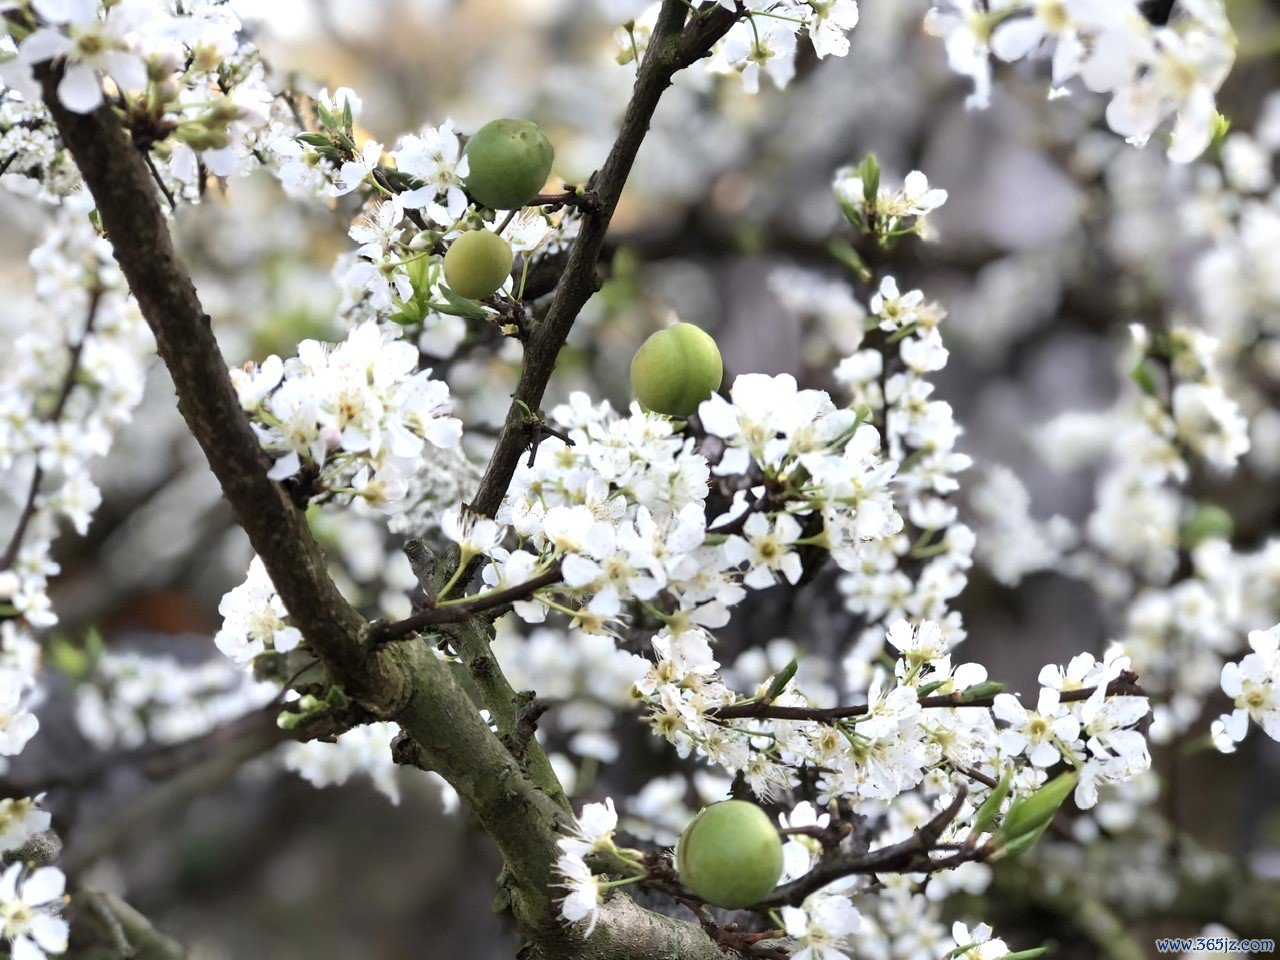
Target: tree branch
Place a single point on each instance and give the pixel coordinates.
(405, 682)
(671, 48)
(460, 612)
(122, 188)
(909, 856)
(1125, 685)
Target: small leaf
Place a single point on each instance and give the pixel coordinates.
(869, 172)
(990, 808)
(781, 679)
(459, 306)
(1033, 814)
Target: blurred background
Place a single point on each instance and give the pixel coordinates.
(1056, 236)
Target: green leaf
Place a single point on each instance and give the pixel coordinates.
(1031, 815)
(990, 808)
(459, 306)
(781, 679)
(1144, 377)
(843, 251)
(869, 172)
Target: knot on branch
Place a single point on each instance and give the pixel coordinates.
(528, 711)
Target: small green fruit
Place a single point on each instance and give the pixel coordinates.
(508, 162)
(676, 369)
(730, 854)
(1207, 522)
(477, 264)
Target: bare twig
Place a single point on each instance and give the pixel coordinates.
(384, 632)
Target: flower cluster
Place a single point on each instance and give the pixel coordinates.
(918, 572)
(884, 213)
(592, 833)
(130, 699)
(1151, 71)
(892, 744)
(69, 381)
(1253, 684)
(355, 417)
(182, 70)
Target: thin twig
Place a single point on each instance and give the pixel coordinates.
(1125, 685)
(458, 612)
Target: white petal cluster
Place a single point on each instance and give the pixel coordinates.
(357, 416)
(31, 903)
(898, 741)
(1153, 72)
(186, 66)
(1253, 684)
(361, 750)
(591, 833)
(132, 698)
(919, 570)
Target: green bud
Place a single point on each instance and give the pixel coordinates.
(477, 264)
(508, 162)
(730, 854)
(676, 369)
(198, 137)
(980, 691)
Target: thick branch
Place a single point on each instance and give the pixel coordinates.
(121, 184)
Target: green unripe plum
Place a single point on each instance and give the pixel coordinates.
(730, 854)
(1207, 522)
(676, 369)
(508, 162)
(477, 264)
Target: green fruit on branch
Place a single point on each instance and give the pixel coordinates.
(508, 162)
(730, 854)
(477, 264)
(1208, 522)
(676, 369)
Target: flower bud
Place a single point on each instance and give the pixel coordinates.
(730, 854)
(508, 162)
(676, 369)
